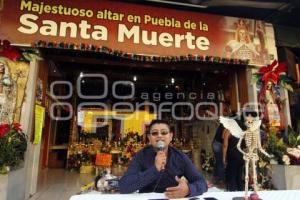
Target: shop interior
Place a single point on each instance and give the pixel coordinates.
(89, 126)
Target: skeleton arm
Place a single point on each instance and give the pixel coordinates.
(260, 147)
(239, 145)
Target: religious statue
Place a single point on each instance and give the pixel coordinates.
(13, 80)
(7, 94)
(5, 80)
(242, 45)
(270, 103)
(253, 144)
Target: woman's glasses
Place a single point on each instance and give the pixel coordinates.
(156, 132)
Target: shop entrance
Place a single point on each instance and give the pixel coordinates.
(105, 104)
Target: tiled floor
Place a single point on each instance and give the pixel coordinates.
(59, 184)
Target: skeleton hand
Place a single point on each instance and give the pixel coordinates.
(269, 156)
(265, 153)
(246, 156)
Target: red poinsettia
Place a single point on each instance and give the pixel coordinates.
(4, 128)
(13, 144)
(272, 72)
(17, 127)
(8, 51)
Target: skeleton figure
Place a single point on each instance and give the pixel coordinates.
(253, 145)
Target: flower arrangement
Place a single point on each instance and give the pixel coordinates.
(276, 73)
(13, 144)
(264, 178)
(130, 144)
(85, 154)
(286, 148)
(269, 80)
(81, 154)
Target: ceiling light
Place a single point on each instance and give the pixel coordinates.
(134, 78)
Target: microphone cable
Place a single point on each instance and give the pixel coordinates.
(157, 182)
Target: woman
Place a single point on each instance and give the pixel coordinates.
(233, 161)
(219, 172)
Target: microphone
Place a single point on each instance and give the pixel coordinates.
(160, 145)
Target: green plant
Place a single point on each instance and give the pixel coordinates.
(13, 144)
(276, 146)
(264, 173)
(285, 150)
(293, 138)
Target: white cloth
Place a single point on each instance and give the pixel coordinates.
(265, 195)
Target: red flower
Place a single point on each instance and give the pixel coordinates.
(17, 127)
(272, 72)
(268, 68)
(3, 129)
(270, 76)
(9, 51)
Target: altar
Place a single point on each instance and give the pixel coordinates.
(265, 195)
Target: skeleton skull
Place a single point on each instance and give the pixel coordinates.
(249, 121)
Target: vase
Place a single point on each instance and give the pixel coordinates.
(286, 177)
(12, 185)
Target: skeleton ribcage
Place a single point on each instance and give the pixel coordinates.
(251, 141)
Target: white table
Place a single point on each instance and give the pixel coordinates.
(265, 195)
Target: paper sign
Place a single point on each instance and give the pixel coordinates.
(39, 123)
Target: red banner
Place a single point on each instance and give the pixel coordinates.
(133, 28)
